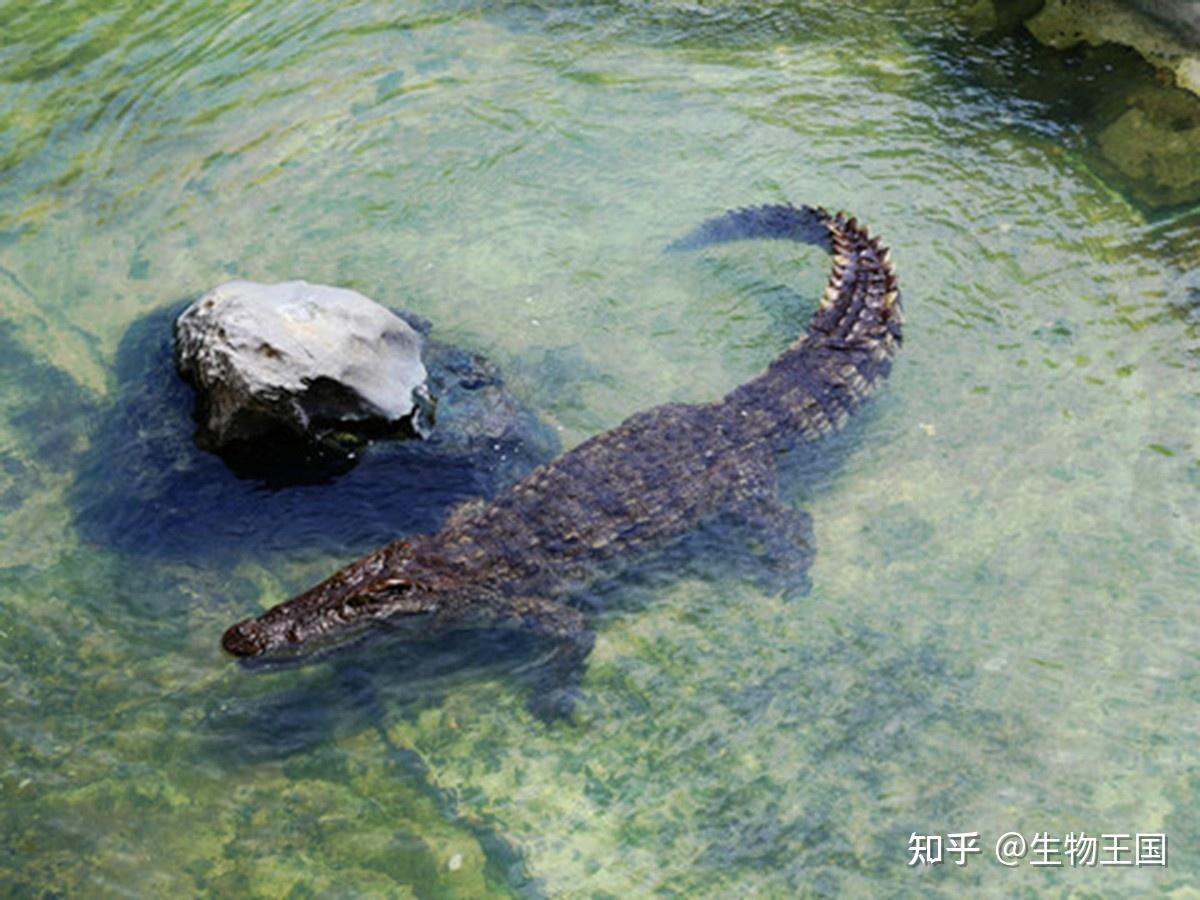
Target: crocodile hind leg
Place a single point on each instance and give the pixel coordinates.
(557, 679)
(779, 537)
(780, 541)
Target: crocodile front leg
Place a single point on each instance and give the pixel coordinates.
(556, 686)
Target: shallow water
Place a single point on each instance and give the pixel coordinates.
(1001, 629)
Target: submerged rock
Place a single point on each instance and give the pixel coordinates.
(1127, 76)
(1166, 34)
(1148, 141)
(1183, 16)
(298, 370)
(1154, 143)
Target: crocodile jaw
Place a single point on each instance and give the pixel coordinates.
(276, 636)
(341, 608)
(246, 638)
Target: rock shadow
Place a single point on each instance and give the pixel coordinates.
(144, 487)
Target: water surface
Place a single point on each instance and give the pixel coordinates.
(1001, 629)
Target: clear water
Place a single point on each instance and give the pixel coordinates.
(1001, 631)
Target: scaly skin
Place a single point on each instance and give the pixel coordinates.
(631, 489)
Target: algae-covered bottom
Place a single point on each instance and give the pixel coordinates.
(1000, 633)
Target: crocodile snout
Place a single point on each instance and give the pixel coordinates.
(246, 638)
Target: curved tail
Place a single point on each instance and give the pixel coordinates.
(852, 338)
(802, 224)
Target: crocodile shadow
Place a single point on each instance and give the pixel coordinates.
(366, 690)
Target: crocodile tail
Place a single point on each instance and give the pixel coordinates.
(781, 221)
(860, 308)
(851, 341)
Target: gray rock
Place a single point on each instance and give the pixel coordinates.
(1166, 34)
(298, 366)
(142, 486)
(1181, 15)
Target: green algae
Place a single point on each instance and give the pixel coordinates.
(1000, 631)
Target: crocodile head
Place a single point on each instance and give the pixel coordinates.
(394, 585)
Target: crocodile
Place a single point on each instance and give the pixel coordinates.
(516, 561)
